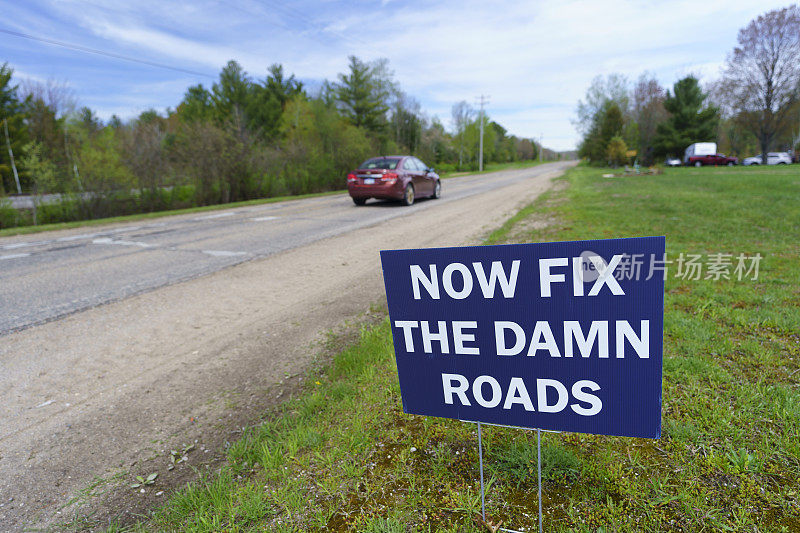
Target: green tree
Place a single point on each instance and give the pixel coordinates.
(601, 92)
(407, 123)
(364, 94)
(617, 152)
(12, 112)
(608, 123)
(690, 119)
(268, 101)
(231, 93)
(196, 104)
(434, 145)
(42, 172)
(103, 174)
(213, 159)
(319, 145)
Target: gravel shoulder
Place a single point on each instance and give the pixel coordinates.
(102, 395)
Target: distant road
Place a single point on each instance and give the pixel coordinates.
(49, 275)
(25, 201)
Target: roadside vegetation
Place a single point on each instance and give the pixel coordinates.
(26, 230)
(751, 109)
(343, 456)
(242, 138)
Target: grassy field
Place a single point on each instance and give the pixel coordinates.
(343, 456)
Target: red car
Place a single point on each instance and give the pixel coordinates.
(396, 177)
(712, 160)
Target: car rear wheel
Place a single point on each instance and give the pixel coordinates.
(437, 189)
(408, 195)
(698, 164)
(359, 201)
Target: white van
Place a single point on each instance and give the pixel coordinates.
(699, 149)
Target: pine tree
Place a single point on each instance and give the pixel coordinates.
(363, 96)
(268, 102)
(689, 120)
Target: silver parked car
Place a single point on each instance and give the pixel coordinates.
(773, 158)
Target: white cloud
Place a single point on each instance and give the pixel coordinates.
(535, 59)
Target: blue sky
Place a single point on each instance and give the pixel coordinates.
(534, 59)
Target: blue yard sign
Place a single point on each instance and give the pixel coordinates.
(563, 336)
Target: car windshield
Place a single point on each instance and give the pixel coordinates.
(388, 163)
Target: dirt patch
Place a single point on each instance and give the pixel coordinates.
(125, 506)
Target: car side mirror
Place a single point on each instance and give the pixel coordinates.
(429, 169)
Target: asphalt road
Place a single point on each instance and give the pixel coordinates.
(42, 279)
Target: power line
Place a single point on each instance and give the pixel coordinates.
(95, 51)
(314, 25)
(316, 28)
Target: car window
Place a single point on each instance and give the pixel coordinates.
(421, 165)
(388, 163)
(411, 164)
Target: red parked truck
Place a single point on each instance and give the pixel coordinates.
(704, 154)
(712, 160)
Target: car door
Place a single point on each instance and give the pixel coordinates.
(410, 168)
(426, 178)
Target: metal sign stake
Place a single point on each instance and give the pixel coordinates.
(538, 468)
(480, 459)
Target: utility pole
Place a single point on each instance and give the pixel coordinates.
(541, 147)
(11, 155)
(482, 100)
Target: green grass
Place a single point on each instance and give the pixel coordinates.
(25, 230)
(343, 456)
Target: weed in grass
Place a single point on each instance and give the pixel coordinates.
(383, 525)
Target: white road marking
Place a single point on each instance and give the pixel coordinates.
(263, 219)
(43, 404)
(218, 215)
(23, 244)
(106, 240)
(122, 230)
(77, 237)
(223, 253)
(13, 256)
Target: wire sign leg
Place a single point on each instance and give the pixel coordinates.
(539, 467)
(480, 459)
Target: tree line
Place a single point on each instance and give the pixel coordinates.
(241, 138)
(752, 109)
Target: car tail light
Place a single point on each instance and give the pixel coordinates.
(352, 178)
(389, 177)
